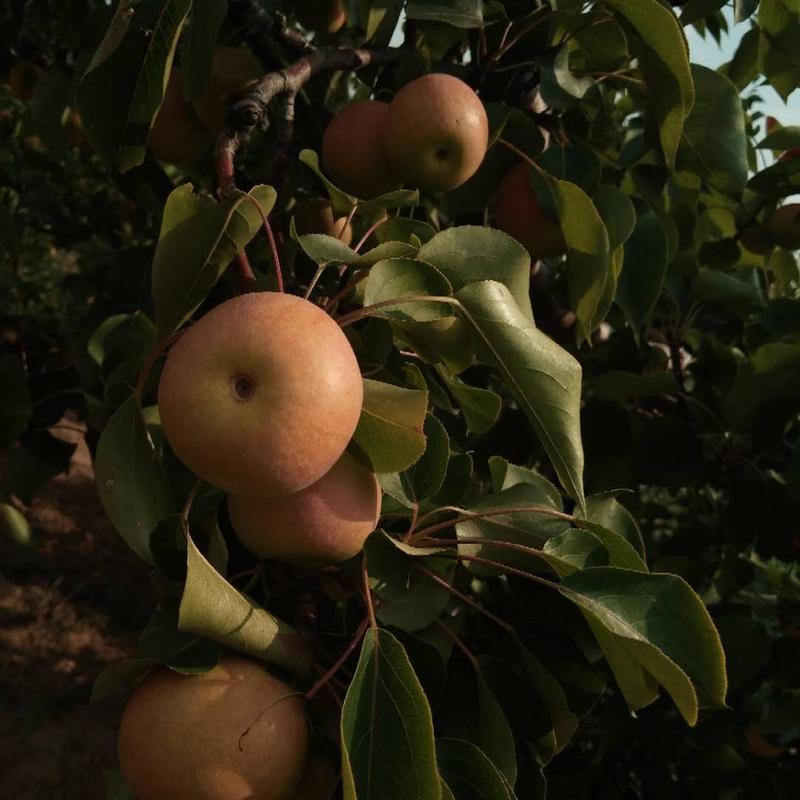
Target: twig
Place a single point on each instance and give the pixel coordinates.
(369, 232)
(361, 630)
(244, 272)
(464, 598)
(458, 642)
(466, 516)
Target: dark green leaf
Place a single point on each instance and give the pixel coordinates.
(469, 254)
(211, 607)
(390, 430)
(393, 278)
(660, 624)
(544, 378)
(124, 84)
(714, 142)
(469, 774)
(197, 46)
(198, 240)
(388, 748)
(459, 13)
(642, 276)
(664, 59)
(427, 475)
(130, 479)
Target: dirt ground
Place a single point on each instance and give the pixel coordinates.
(68, 608)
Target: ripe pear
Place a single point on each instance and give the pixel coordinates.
(235, 732)
(323, 524)
(177, 134)
(437, 132)
(353, 152)
(261, 396)
(518, 213)
(321, 16)
(234, 72)
(315, 215)
(784, 226)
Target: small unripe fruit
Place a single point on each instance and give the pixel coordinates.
(518, 213)
(784, 226)
(437, 132)
(235, 732)
(321, 16)
(353, 150)
(322, 524)
(234, 72)
(261, 395)
(177, 134)
(315, 215)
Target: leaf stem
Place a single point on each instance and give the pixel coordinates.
(521, 153)
(360, 631)
(458, 643)
(272, 245)
(463, 598)
(370, 231)
(368, 311)
(368, 594)
(152, 358)
(466, 516)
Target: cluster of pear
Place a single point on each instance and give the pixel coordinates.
(260, 397)
(183, 130)
(782, 226)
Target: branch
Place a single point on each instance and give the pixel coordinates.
(244, 116)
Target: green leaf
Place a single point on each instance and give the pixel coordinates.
(505, 475)
(120, 678)
(481, 407)
(135, 333)
(410, 600)
(390, 430)
(575, 550)
(469, 773)
(716, 286)
(400, 229)
(343, 202)
(14, 525)
(459, 13)
(664, 60)
(714, 141)
(772, 372)
(130, 479)
(529, 528)
(661, 625)
(197, 46)
(15, 399)
(183, 652)
(124, 84)
(211, 607)
(779, 46)
(427, 475)
(604, 509)
(545, 379)
(470, 254)
(198, 239)
(588, 254)
(646, 254)
(494, 733)
(393, 278)
(388, 748)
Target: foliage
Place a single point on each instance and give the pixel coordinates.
(589, 465)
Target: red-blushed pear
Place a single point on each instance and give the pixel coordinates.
(518, 213)
(323, 524)
(233, 733)
(234, 72)
(315, 215)
(321, 16)
(353, 152)
(790, 154)
(177, 134)
(261, 395)
(784, 226)
(437, 132)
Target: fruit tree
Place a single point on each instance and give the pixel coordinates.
(441, 359)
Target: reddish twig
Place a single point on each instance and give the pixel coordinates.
(244, 272)
(369, 233)
(361, 630)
